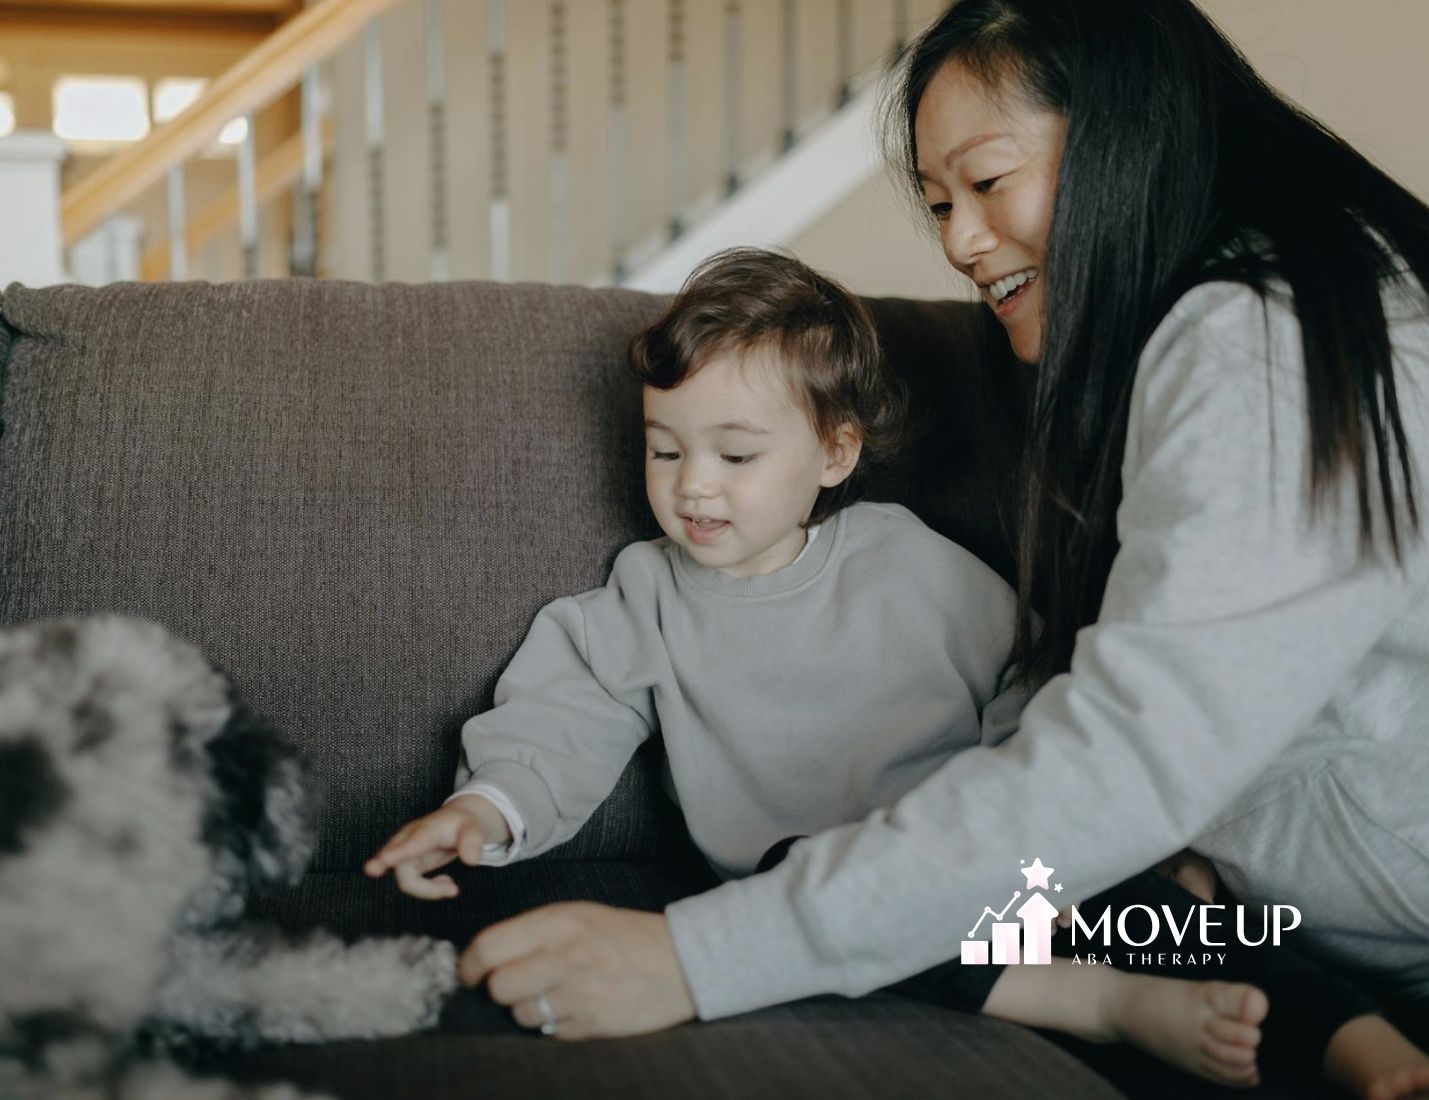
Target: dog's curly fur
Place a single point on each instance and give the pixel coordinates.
(139, 806)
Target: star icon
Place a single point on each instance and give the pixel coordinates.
(1058, 888)
(1038, 874)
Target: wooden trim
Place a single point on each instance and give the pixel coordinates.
(281, 8)
(262, 76)
(277, 172)
(58, 24)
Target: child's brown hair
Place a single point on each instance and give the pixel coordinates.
(746, 299)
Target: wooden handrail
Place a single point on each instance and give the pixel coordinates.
(277, 172)
(256, 80)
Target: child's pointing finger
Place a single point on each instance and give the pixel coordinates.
(413, 883)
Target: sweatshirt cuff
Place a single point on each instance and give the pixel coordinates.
(497, 855)
(527, 793)
(743, 947)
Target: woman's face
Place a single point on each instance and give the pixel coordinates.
(987, 161)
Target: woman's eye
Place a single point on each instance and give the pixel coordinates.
(982, 187)
(664, 456)
(940, 210)
(739, 460)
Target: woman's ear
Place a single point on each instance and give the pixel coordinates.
(843, 454)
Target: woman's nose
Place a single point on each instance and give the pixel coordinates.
(967, 236)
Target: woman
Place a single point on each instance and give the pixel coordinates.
(1229, 451)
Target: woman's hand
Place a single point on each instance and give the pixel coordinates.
(604, 972)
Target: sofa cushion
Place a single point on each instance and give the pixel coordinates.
(354, 498)
(871, 1049)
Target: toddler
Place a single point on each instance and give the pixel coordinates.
(806, 657)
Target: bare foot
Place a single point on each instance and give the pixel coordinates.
(1210, 1029)
(1372, 1059)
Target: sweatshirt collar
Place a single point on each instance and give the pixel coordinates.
(804, 568)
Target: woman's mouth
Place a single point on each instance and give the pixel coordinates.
(702, 530)
(1006, 294)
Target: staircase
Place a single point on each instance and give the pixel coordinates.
(589, 141)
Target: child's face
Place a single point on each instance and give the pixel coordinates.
(732, 465)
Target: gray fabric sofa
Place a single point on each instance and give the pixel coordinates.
(354, 499)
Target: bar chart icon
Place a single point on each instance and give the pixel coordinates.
(1006, 943)
(1025, 941)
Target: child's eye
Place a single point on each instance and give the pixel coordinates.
(982, 187)
(941, 210)
(739, 460)
(664, 456)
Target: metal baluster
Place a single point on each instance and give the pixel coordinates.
(733, 101)
(248, 200)
(375, 137)
(845, 52)
(618, 196)
(437, 137)
(303, 259)
(500, 203)
(560, 158)
(112, 233)
(677, 117)
(791, 73)
(178, 225)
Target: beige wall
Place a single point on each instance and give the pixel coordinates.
(1360, 66)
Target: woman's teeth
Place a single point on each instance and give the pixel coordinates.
(1003, 287)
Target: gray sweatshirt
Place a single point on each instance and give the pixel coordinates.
(1253, 684)
(788, 703)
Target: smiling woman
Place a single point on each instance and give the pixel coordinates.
(987, 168)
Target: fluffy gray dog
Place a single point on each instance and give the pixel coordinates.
(138, 807)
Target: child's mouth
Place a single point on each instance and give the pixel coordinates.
(702, 530)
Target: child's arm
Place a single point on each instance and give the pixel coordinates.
(573, 705)
(457, 830)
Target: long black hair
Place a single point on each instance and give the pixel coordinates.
(1180, 166)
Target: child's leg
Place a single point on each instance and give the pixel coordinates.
(1320, 1024)
(1210, 1029)
(1207, 1028)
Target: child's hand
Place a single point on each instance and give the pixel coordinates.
(458, 830)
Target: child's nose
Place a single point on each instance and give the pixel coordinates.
(694, 481)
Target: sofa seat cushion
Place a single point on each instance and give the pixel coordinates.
(874, 1048)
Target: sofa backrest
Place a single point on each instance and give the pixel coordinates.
(355, 498)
